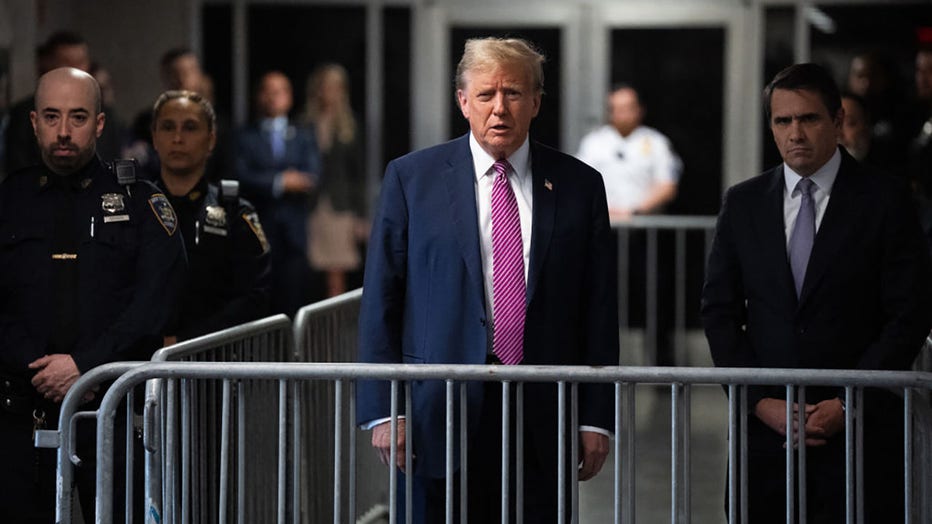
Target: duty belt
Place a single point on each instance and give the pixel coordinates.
(17, 395)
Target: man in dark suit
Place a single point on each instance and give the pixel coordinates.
(817, 263)
(430, 295)
(277, 164)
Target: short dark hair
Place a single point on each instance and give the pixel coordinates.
(61, 39)
(809, 77)
(174, 54)
(859, 100)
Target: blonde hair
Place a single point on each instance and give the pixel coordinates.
(486, 53)
(344, 125)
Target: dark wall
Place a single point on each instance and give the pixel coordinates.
(679, 74)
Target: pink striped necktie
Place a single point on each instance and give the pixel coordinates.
(508, 287)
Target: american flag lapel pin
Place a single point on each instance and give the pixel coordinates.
(548, 185)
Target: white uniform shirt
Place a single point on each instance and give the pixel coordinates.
(632, 165)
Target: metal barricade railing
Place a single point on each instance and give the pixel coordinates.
(327, 332)
(680, 382)
(661, 280)
(193, 459)
(65, 438)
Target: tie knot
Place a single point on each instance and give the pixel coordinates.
(805, 186)
(501, 167)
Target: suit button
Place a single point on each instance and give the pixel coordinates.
(482, 321)
(6, 384)
(802, 331)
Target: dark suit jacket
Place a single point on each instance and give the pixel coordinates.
(424, 299)
(865, 299)
(283, 216)
(864, 304)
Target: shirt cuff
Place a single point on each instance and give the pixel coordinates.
(373, 423)
(594, 429)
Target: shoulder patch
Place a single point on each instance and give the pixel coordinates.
(164, 213)
(252, 220)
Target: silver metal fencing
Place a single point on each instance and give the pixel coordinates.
(327, 332)
(687, 261)
(679, 381)
(196, 452)
(65, 437)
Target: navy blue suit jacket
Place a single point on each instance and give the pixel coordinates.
(424, 300)
(284, 216)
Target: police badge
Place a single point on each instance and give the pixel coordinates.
(216, 221)
(164, 213)
(112, 203)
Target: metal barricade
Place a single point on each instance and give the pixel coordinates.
(194, 460)
(644, 239)
(679, 381)
(65, 438)
(327, 332)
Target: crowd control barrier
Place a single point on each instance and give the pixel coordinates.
(285, 377)
(667, 254)
(196, 453)
(327, 332)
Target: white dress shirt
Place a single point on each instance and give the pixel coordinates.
(824, 179)
(519, 178)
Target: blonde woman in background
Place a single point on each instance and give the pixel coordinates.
(337, 223)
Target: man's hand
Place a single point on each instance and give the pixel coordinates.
(382, 442)
(825, 420)
(57, 373)
(822, 420)
(594, 449)
(294, 181)
(169, 340)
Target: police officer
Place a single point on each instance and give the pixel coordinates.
(228, 255)
(90, 265)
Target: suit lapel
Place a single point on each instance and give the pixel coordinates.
(773, 234)
(836, 222)
(545, 187)
(461, 190)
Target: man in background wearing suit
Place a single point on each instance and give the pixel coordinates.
(817, 263)
(278, 163)
(490, 248)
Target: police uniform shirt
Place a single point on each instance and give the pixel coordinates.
(228, 263)
(89, 267)
(632, 165)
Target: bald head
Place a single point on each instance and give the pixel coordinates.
(66, 79)
(67, 120)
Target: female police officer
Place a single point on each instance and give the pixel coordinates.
(228, 256)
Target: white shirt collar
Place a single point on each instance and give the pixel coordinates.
(278, 123)
(824, 177)
(482, 161)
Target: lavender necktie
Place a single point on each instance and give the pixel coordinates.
(803, 234)
(508, 287)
